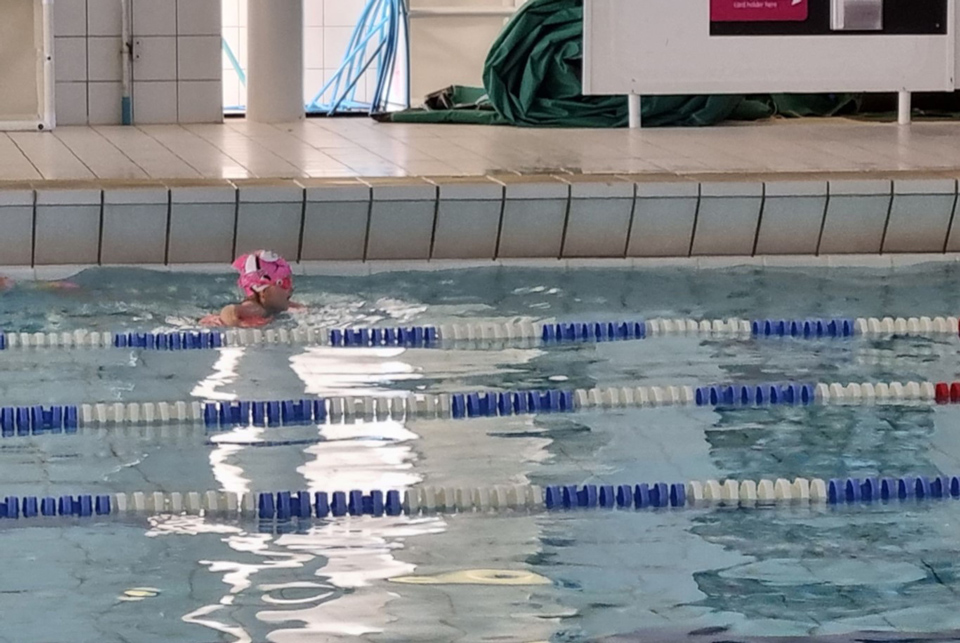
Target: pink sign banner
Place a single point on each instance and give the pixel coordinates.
(758, 10)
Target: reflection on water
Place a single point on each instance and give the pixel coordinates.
(298, 582)
(338, 558)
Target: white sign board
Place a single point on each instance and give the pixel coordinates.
(656, 47)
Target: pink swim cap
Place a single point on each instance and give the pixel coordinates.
(261, 269)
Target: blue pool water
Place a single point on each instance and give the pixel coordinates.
(592, 574)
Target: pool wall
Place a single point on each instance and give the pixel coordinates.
(503, 217)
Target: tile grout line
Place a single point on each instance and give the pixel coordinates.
(953, 215)
(166, 244)
(303, 225)
(122, 153)
(366, 234)
(190, 128)
(566, 222)
(633, 214)
(696, 219)
(24, 155)
(503, 209)
(436, 221)
(823, 220)
(763, 206)
(886, 223)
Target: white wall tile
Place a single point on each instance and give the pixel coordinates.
(335, 230)
(791, 224)
(726, 226)
(532, 227)
(662, 227)
(270, 192)
(16, 242)
(23, 197)
(269, 225)
(136, 196)
(341, 13)
(313, 13)
(467, 229)
(231, 90)
(154, 18)
(104, 18)
(155, 58)
(231, 13)
(67, 234)
(313, 48)
(154, 102)
(199, 17)
(200, 101)
(201, 232)
(71, 103)
(335, 42)
(105, 108)
(134, 233)
(71, 59)
(236, 40)
(597, 227)
(199, 58)
(400, 229)
(69, 196)
(70, 18)
(106, 59)
(854, 224)
(313, 80)
(919, 223)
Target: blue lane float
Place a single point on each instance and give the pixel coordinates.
(790, 393)
(547, 333)
(856, 490)
(291, 505)
(174, 341)
(36, 420)
(593, 332)
(414, 336)
(804, 328)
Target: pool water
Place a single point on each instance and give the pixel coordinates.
(568, 576)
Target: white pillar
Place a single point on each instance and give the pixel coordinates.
(633, 109)
(904, 108)
(275, 61)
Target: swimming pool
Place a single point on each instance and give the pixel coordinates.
(564, 576)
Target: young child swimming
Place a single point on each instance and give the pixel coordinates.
(267, 282)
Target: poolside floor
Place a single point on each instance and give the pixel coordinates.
(360, 147)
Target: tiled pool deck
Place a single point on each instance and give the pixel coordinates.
(352, 190)
(359, 147)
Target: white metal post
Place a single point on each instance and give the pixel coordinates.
(275, 61)
(126, 51)
(47, 104)
(633, 108)
(904, 108)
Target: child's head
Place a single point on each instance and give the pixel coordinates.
(265, 277)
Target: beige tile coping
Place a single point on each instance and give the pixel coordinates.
(514, 183)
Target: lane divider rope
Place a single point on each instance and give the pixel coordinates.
(32, 420)
(285, 505)
(527, 332)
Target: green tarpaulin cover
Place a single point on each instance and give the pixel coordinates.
(532, 77)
